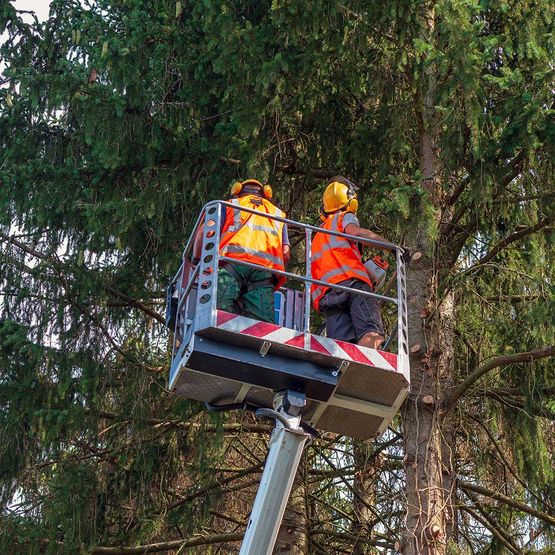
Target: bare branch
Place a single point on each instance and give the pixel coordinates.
(508, 501)
(494, 528)
(219, 484)
(230, 160)
(251, 427)
(169, 545)
(351, 537)
(473, 377)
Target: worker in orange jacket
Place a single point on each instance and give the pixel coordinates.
(349, 317)
(252, 238)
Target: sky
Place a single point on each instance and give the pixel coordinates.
(40, 7)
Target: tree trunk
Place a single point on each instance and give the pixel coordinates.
(428, 441)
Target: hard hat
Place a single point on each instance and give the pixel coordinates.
(243, 186)
(340, 194)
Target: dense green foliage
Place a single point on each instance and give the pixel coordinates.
(119, 119)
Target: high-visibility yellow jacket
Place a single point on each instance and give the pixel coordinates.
(254, 238)
(334, 259)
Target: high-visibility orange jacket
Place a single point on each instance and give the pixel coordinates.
(334, 259)
(253, 238)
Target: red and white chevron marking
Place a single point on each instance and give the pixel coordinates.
(308, 341)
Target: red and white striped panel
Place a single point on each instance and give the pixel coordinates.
(306, 341)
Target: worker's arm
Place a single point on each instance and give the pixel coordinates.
(357, 231)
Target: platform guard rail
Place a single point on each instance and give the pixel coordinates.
(198, 310)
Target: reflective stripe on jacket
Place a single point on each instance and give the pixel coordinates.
(253, 238)
(334, 259)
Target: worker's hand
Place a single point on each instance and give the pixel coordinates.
(407, 255)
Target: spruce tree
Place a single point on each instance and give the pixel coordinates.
(120, 119)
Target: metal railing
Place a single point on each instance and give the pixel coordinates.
(204, 275)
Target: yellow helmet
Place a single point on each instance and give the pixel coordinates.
(341, 193)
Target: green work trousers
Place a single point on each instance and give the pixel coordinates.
(257, 303)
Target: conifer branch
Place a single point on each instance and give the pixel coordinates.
(524, 199)
(457, 192)
(513, 169)
(129, 301)
(507, 464)
(319, 173)
(513, 298)
(22, 246)
(511, 239)
(510, 172)
(515, 402)
(508, 501)
(542, 390)
(493, 363)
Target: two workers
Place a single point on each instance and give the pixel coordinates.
(250, 237)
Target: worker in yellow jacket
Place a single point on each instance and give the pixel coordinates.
(256, 239)
(337, 260)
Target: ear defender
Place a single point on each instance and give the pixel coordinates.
(353, 205)
(237, 187)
